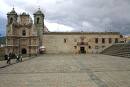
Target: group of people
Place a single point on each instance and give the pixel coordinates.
(13, 56)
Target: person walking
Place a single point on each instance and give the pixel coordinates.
(19, 58)
(9, 58)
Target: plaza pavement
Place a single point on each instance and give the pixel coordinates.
(91, 70)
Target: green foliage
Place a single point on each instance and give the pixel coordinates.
(2, 40)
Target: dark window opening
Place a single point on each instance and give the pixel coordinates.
(82, 50)
(75, 47)
(24, 33)
(89, 47)
(24, 51)
(11, 20)
(96, 40)
(103, 40)
(37, 20)
(116, 40)
(110, 40)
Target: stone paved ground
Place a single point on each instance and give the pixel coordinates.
(68, 71)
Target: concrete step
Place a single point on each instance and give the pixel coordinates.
(122, 50)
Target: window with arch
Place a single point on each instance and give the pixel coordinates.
(38, 20)
(24, 33)
(11, 20)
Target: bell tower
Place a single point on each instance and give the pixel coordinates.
(39, 24)
(11, 20)
(11, 31)
(39, 20)
(12, 17)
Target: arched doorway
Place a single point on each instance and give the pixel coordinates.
(82, 50)
(82, 45)
(24, 51)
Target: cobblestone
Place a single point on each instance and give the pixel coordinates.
(68, 71)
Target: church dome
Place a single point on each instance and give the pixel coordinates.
(24, 14)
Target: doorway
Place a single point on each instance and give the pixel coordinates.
(24, 51)
(82, 50)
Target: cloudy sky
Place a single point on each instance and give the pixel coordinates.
(74, 15)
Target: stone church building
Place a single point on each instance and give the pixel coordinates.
(23, 36)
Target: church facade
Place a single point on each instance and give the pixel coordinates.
(25, 37)
(22, 35)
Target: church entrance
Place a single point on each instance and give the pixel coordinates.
(24, 51)
(82, 50)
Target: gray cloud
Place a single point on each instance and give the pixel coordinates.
(103, 15)
(86, 15)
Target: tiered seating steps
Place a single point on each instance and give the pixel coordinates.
(120, 49)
